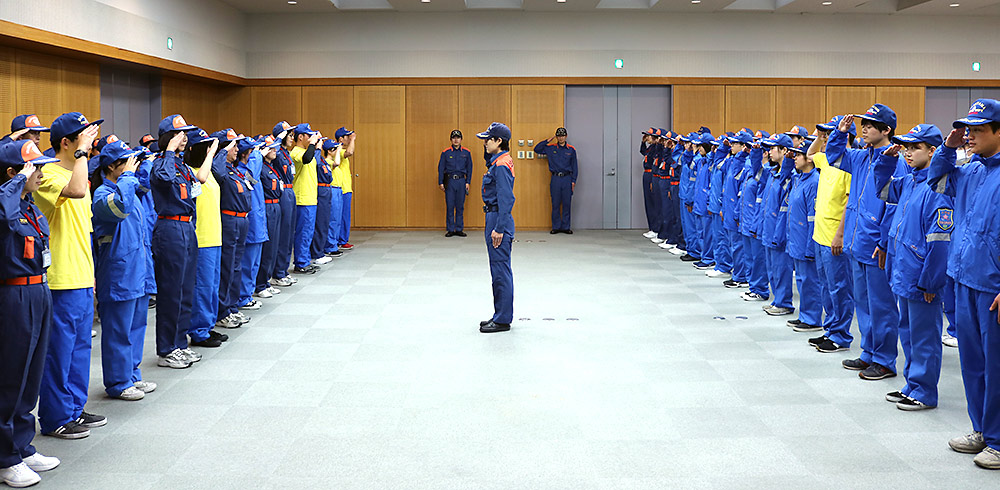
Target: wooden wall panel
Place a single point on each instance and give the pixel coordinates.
(799, 105)
(907, 102)
(235, 110)
(268, 105)
(698, 105)
(8, 94)
(196, 101)
(37, 86)
(80, 88)
(380, 162)
(848, 100)
(48, 86)
(478, 106)
(749, 106)
(431, 114)
(327, 108)
(536, 112)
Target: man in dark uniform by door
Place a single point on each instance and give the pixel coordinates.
(563, 166)
(454, 174)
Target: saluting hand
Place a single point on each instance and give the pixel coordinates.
(956, 138)
(497, 238)
(29, 168)
(17, 134)
(87, 137)
(175, 143)
(893, 151)
(132, 164)
(845, 123)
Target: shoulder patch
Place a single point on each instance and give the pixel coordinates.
(945, 219)
(506, 161)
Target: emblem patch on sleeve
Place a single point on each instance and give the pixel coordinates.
(945, 219)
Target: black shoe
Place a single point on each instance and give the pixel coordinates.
(91, 421)
(854, 364)
(461, 234)
(876, 371)
(221, 337)
(335, 254)
(895, 397)
(152, 302)
(792, 323)
(553, 231)
(304, 270)
(827, 346)
(689, 258)
(805, 327)
(493, 327)
(818, 340)
(69, 430)
(208, 342)
(449, 234)
(703, 266)
(729, 283)
(568, 232)
(485, 322)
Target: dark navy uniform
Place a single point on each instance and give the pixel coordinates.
(324, 203)
(274, 189)
(455, 173)
(563, 166)
(498, 203)
(234, 198)
(283, 165)
(652, 212)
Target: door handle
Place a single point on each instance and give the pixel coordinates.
(611, 173)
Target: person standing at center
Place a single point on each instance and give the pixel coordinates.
(498, 203)
(454, 176)
(305, 185)
(564, 169)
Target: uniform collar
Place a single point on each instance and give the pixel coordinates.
(920, 175)
(991, 161)
(498, 155)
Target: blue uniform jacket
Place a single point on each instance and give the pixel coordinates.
(171, 181)
(734, 170)
(647, 161)
(703, 179)
(285, 167)
(688, 178)
(142, 173)
(866, 217)
(751, 193)
(561, 158)
(498, 190)
(802, 215)
(257, 232)
(657, 153)
(25, 234)
(120, 240)
(454, 161)
(920, 231)
(271, 181)
(715, 188)
(974, 259)
(774, 225)
(233, 193)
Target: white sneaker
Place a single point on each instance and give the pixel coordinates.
(19, 476)
(39, 462)
(718, 274)
(284, 281)
(948, 340)
(667, 246)
(145, 386)
(677, 251)
(174, 360)
(191, 355)
(252, 305)
(241, 318)
(263, 293)
(273, 290)
(228, 322)
(649, 234)
(656, 240)
(131, 394)
(323, 260)
(748, 296)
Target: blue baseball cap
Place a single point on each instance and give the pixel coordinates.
(146, 140)
(982, 111)
(718, 141)
(778, 139)
(20, 152)
(688, 138)
(662, 132)
(801, 148)
(926, 133)
(742, 137)
(703, 130)
(246, 144)
(304, 128)
(103, 141)
(271, 141)
(880, 113)
(704, 139)
(343, 132)
(329, 144)
(173, 122)
(197, 136)
(651, 131)
(834, 123)
(761, 135)
(27, 121)
(114, 151)
(798, 131)
(225, 136)
(69, 124)
(496, 130)
(281, 127)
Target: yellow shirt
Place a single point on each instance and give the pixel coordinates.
(345, 172)
(305, 182)
(70, 226)
(208, 227)
(335, 176)
(831, 199)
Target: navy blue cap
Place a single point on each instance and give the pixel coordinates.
(982, 111)
(27, 121)
(834, 123)
(761, 135)
(271, 141)
(662, 132)
(246, 144)
(496, 130)
(69, 124)
(703, 130)
(705, 139)
(146, 140)
(343, 132)
(880, 113)
(798, 131)
(649, 131)
(801, 148)
(742, 137)
(926, 133)
(562, 131)
(197, 136)
(22, 151)
(113, 152)
(173, 122)
(689, 138)
(779, 139)
(103, 141)
(281, 127)
(304, 128)
(330, 144)
(225, 136)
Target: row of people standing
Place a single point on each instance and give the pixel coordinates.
(893, 233)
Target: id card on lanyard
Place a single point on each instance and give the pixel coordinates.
(29, 242)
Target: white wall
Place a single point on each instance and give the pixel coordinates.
(206, 33)
(391, 44)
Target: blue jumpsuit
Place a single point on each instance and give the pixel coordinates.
(257, 229)
(801, 247)
(498, 202)
(652, 212)
(455, 173)
(974, 264)
(723, 252)
(866, 221)
(689, 177)
(324, 176)
(703, 179)
(234, 198)
(735, 170)
(120, 268)
(774, 233)
(564, 169)
(286, 228)
(919, 236)
(274, 187)
(751, 200)
(26, 319)
(175, 248)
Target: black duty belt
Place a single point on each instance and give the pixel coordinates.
(561, 174)
(490, 208)
(456, 176)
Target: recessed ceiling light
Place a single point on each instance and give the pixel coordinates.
(695, 1)
(954, 5)
(827, 4)
(292, 2)
(425, 1)
(560, 1)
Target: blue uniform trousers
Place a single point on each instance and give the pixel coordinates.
(175, 249)
(838, 294)
(286, 234)
(24, 328)
(948, 304)
(691, 234)
(979, 353)
(723, 249)
(123, 330)
(810, 292)
(500, 271)
(234, 241)
(740, 264)
(661, 187)
(249, 267)
(305, 226)
(676, 232)
(345, 219)
(656, 198)
(67, 361)
(336, 215)
(757, 265)
(269, 249)
(707, 239)
(205, 306)
(454, 201)
(561, 189)
(322, 224)
(920, 336)
(878, 319)
(779, 274)
(648, 191)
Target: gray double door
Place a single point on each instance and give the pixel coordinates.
(604, 125)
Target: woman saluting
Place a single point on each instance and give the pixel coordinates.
(498, 202)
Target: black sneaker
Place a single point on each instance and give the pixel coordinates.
(854, 364)
(335, 254)
(449, 234)
(493, 327)
(731, 284)
(208, 342)
(553, 231)
(152, 302)
(895, 397)
(689, 258)
(818, 340)
(91, 421)
(805, 327)
(792, 323)
(744, 285)
(212, 334)
(910, 405)
(304, 270)
(827, 346)
(70, 430)
(876, 371)
(568, 232)
(485, 322)
(461, 234)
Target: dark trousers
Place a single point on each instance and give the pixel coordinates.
(269, 252)
(175, 248)
(454, 200)
(652, 211)
(322, 225)
(286, 234)
(561, 189)
(234, 241)
(500, 271)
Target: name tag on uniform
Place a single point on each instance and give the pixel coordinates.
(195, 189)
(248, 184)
(46, 257)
